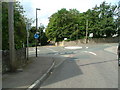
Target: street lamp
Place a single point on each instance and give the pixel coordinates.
(36, 29)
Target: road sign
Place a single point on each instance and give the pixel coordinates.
(91, 35)
(36, 36)
(65, 38)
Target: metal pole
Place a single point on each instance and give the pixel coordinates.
(27, 39)
(36, 31)
(40, 34)
(11, 36)
(86, 30)
(77, 33)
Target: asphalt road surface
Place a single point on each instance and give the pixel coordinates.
(89, 66)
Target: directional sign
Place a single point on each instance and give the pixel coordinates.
(36, 36)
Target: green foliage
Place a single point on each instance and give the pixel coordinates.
(32, 31)
(19, 26)
(42, 39)
(71, 23)
(118, 19)
(62, 24)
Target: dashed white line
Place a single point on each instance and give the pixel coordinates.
(90, 52)
(73, 47)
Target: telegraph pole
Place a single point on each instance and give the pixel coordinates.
(86, 30)
(27, 28)
(11, 36)
(77, 33)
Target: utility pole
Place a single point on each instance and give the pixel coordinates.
(27, 39)
(118, 25)
(40, 34)
(27, 28)
(36, 29)
(77, 33)
(11, 36)
(86, 31)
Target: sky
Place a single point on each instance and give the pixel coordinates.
(48, 7)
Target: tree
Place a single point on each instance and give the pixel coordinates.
(62, 25)
(71, 23)
(32, 31)
(19, 26)
(106, 23)
(42, 37)
(118, 19)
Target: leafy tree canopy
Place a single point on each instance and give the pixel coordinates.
(71, 23)
(19, 26)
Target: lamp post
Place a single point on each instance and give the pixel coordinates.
(36, 29)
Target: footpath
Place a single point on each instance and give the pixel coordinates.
(112, 49)
(32, 74)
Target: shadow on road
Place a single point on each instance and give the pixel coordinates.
(67, 70)
(98, 62)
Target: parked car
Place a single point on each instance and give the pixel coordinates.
(119, 54)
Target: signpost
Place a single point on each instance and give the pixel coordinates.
(36, 36)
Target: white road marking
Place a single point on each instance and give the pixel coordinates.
(86, 47)
(90, 52)
(34, 50)
(37, 49)
(51, 50)
(31, 51)
(73, 47)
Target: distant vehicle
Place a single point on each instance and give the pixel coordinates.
(119, 54)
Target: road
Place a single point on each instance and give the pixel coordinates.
(90, 66)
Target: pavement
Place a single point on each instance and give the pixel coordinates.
(112, 49)
(32, 74)
(0, 70)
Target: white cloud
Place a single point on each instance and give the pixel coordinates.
(48, 7)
